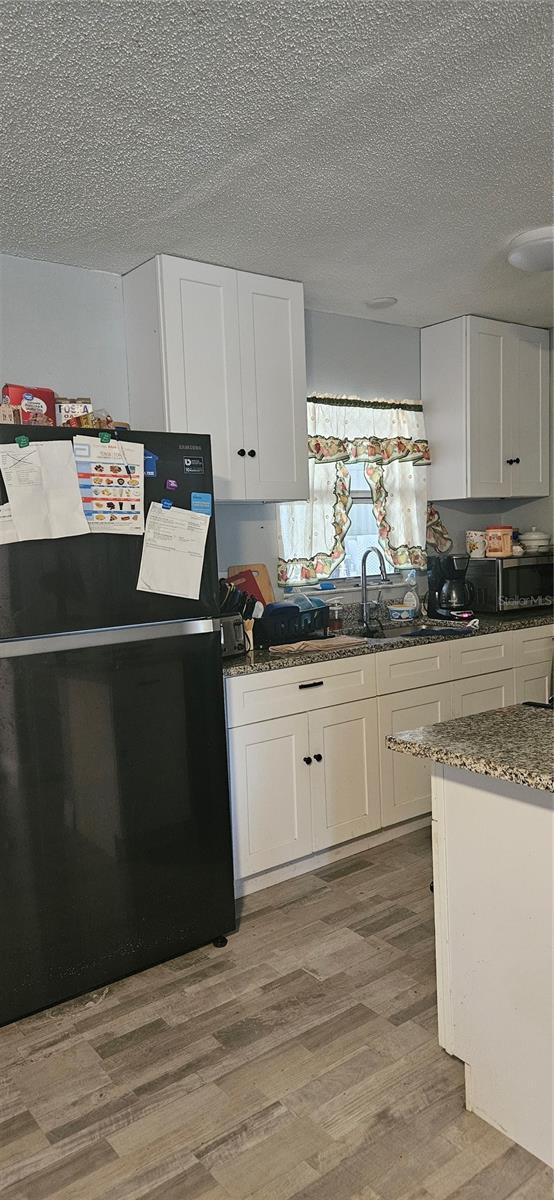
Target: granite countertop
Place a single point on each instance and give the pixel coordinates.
(262, 660)
(515, 743)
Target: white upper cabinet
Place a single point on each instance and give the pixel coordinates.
(273, 367)
(484, 388)
(218, 351)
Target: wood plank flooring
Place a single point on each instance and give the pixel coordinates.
(302, 1061)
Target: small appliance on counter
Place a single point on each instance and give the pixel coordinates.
(233, 636)
(449, 596)
(292, 620)
(508, 584)
(236, 607)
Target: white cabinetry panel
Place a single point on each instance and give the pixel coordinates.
(533, 645)
(533, 682)
(475, 655)
(530, 476)
(484, 387)
(218, 351)
(495, 690)
(406, 781)
(270, 791)
(491, 377)
(344, 774)
(412, 666)
(299, 689)
(273, 364)
(201, 338)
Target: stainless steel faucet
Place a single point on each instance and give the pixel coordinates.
(382, 571)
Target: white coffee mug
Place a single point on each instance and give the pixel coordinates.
(476, 543)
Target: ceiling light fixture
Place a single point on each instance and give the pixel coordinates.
(533, 250)
(381, 302)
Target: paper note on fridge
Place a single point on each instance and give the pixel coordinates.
(7, 527)
(43, 490)
(111, 481)
(173, 552)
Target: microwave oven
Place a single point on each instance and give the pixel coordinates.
(511, 584)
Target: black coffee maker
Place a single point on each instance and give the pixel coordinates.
(449, 596)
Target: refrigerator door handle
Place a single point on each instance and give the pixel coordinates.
(119, 635)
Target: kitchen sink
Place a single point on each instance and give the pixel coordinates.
(418, 631)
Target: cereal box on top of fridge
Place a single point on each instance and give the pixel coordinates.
(35, 405)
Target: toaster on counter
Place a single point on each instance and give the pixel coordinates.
(292, 621)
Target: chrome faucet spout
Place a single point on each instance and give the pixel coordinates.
(382, 571)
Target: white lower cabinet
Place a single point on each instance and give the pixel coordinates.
(482, 693)
(344, 773)
(406, 781)
(309, 768)
(270, 790)
(533, 682)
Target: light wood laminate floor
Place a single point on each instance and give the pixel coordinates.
(301, 1061)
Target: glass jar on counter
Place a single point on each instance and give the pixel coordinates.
(335, 617)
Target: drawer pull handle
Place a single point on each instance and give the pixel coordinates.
(316, 683)
(308, 761)
(318, 757)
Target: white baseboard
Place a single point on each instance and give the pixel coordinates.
(244, 887)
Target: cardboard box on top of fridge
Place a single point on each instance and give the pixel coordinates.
(67, 410)
(34, 405)
(9, 415)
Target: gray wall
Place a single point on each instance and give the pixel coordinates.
(344, 355)
(361, 358)
(62, 328)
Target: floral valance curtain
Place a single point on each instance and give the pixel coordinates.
(389, 438)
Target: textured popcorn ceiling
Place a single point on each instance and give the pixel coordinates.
(366, 147)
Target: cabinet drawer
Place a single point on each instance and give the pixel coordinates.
(299, 689)
(533, 645)
(533, 682)
(411, 667)
(488, 691)
(476, 655)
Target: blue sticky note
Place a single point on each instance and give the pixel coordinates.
(201, 502)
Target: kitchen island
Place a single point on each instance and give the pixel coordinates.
(492, 823)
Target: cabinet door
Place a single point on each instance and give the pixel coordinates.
(406, 781)
(530, 476)
(492, 389)
(202, 363)
(344, 772)
(482, 693)
(273, 364)
(534, 682)
(270, 793)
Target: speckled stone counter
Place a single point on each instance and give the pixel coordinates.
(515, 743)
(262, 660)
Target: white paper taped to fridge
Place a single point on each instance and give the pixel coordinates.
(111, 480)
(7, 528)
(43, 490)
(173, 552)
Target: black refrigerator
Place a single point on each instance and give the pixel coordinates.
(115, 838)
